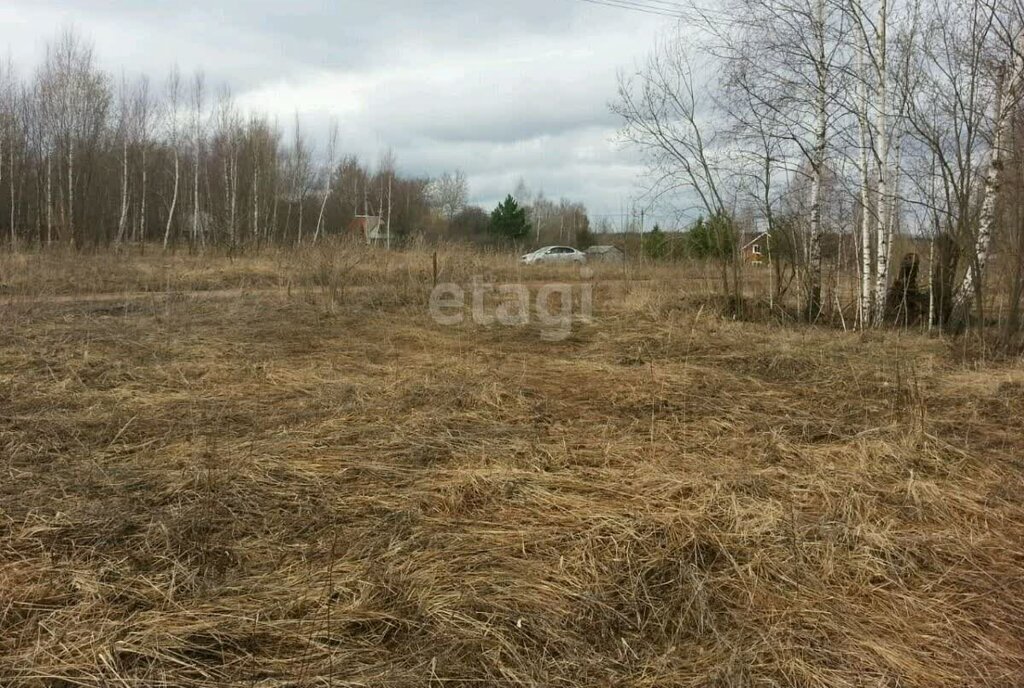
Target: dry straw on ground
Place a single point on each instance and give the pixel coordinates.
(315, 485)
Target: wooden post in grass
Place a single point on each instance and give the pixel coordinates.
(435, 268)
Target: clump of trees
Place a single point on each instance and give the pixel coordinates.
(551, 222)
(520, 219)
(89, 161)
(866, 119)
(711, 238)
(449, 194)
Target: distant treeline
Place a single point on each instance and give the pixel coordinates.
(89, 160)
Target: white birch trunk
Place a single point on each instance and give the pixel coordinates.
(970, 288)
(234, 197)
(255, 202)
(195, 195)
(142, 200)
(814, 246)
(320, 218)
(71, 190)
(174, 200)
(389, 213)
(49, 199)
(198, 152)
(817, 171)
(882, 125)
(227, 201)
(124, 193)
(14, 235)
(2, 178)
(866, 262)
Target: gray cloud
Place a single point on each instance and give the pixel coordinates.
(503, 91)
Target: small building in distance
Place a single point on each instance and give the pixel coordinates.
(605, 254)
(755, 248)
(368, 227)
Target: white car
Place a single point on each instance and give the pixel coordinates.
(554, 254)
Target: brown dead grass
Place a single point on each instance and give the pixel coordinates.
(56, 272)
(318, 486)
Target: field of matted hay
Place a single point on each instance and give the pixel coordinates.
(319, 486)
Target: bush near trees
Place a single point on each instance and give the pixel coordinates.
(472, 223)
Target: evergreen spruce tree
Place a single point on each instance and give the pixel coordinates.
(711, 238)
(509, 221)
(655, 243)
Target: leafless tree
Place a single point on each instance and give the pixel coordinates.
(145, 114)
(8, 118)
(227, 142)
(300, 177)
(173, 126)
(1008, 43)
(786, 58)
(669, 113)
(125, 126)
(74, 98)
(198, 141)
(327, 172)
(449, 193)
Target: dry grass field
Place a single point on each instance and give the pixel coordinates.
(280, 471)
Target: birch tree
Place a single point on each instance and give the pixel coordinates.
(1008, 32)
(880, 110)
(1008, 80)
(227, 144)
(74, 98)
(666, 111)
(125, 126)
(300, 178)
(198, 89)
(7, 113)
(948, 116)
(787, 57)
(862, 110)
(386, 175)
(173, 135)
(326, 174)
(145, 115)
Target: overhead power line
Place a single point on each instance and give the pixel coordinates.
(654, 7)
(675, 6)
(634, 7)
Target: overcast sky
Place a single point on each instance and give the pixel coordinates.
(502, 90)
